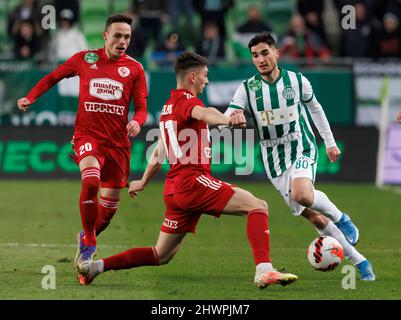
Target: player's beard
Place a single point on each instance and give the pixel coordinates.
(268, 72)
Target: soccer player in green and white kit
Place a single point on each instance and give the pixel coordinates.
(278, 101)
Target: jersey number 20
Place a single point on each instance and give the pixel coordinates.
(85, 147)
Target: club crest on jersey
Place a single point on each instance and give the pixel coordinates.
(255, 85)
(123, 71)
(288, 93)
(91, 57)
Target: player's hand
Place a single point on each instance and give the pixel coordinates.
(333, 153)
(134, 187)
(23, 104)
(133, 128)
(237, 119)
(399, 117)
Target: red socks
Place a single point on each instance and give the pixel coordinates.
(259, 235)
(107, 208)
(88, 203)
(135, 257)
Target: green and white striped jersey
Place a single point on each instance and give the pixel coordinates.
(279, 113)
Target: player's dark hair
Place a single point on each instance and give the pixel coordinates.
(118, 18)
(264, 37)
(187, 61)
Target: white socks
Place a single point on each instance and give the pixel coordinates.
(349, 251)
(100, 265)
(323, 204)
(264, 267)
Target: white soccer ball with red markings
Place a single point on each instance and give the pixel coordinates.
(325, 253)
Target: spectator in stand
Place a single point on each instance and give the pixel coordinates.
(300, 42)
(254, 24)
(166, 53)
(72, 5)
(26, 40)
(312, 12)
(211, 45)
(214, 10)
(246, 31)
(381, 7)
(27, 10)
(355, 42)
(178, 7)
(152, 14)
(137, 46)
(386, 42)
(68, 39)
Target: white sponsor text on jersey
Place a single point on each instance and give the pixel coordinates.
(105, 89)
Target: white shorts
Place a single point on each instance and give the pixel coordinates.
(303, 167)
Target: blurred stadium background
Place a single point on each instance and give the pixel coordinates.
(347, 68)
(355, 73)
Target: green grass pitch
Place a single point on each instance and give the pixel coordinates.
(39, 221)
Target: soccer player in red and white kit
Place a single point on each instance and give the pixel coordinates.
(109, 79)
(190, 190)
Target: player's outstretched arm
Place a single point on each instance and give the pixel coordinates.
(155, 162)
(65, 70)
(233, 112)
(212, 116)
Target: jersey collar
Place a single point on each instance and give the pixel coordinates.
(105, 57)
(178, 91)
(259, 77)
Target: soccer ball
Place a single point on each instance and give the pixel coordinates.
(325, 253)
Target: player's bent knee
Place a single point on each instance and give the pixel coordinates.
(303, 198)
(257, 204)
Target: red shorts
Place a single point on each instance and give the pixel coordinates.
(183, 209)
(114, 162)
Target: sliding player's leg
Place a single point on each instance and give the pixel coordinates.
(167, 246)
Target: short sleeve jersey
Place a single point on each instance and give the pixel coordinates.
(186, 140)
